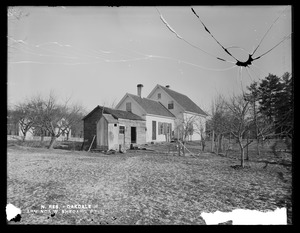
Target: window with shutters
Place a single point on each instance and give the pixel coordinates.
(160, 128)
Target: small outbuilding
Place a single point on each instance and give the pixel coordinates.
(107, 128)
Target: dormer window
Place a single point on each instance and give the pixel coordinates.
(128, 107)
(171, 104)
(159, 96)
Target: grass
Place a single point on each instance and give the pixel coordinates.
(137, 187)
(67, 145)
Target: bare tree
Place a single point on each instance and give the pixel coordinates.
(73, 119)
(217, 123)
(200, 129)
(24, 117)
(239, 121)
(184, 128)
(55, 118)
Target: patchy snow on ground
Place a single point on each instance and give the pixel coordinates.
(12, 211)
(247, 217)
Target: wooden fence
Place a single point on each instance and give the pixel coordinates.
(38, 138)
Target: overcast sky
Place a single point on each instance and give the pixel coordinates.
(97, 54)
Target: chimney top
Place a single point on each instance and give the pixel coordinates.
(167, 86)
(139, 90)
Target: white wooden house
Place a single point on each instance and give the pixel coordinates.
(136, 120)
(167, 113)
(159, 120)
(187, 113)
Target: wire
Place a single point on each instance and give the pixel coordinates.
(30, 47)
(42, 55)
(268, 31)
(237, 47)
(185, 62)
(192, 64)
(286, 37)
(181, 38)
(250, 59)
(206, 29)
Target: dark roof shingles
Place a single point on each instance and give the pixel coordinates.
(116, 114)
(123, 114)
(184, 101)
(152, 106)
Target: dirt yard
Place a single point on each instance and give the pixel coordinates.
(137, 187)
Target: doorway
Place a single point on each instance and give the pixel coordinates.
(133, 134)
(153, 130)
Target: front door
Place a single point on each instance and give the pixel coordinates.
(133, 134)
(153, 130)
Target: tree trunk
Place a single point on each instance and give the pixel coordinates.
(257, 146)
(53, 138)
(247, 154)
(256, 129)
(212, 141)
(218, 140)
(203, 143)
(183, 150)
(242, 153)
(24, 137)
(42, 135)
(229, 145)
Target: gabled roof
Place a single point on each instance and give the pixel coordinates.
(152, 107)
(110, 118)
(185, 102)
(123, 114)
(116, 113)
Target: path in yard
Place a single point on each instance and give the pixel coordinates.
(137, 188)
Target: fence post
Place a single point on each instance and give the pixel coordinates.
(212, 141)
(178, 146)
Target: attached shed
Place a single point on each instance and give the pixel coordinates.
(113, 129)
(107, 132)
(119, 133)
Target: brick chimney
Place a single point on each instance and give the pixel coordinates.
(168, 86)
(139, 90)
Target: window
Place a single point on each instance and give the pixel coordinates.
(171, 105)
(160, 128)
(115, 125)
(159, 96)
(128, 107)
(121, 129)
